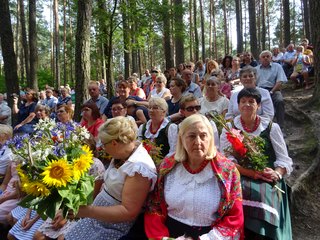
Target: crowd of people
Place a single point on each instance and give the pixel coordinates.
(199, 189)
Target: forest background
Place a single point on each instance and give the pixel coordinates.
(59, 42)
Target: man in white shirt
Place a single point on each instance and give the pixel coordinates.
(270, 76)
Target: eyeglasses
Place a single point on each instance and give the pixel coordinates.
(188, 66)
(159, 82)
(118, 109)
(154, 108)
(192, 108)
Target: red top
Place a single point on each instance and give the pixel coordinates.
(93, 129)
(230, 220)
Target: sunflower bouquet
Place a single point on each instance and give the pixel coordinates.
(53, 167)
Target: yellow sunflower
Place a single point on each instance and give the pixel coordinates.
(23, 177)
(37, 189)
(83, 163)
(57, 174)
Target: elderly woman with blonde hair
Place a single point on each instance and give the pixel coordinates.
(129, 178)
(198, 192)
(159, 129)
(160, 89)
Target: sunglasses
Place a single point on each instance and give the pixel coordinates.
(192, 108)
(188, 66)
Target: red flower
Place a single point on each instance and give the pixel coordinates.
(237, 145)
(147, 146)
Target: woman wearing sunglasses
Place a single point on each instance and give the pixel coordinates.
(213, 100)
(160, 89)
(189, 105)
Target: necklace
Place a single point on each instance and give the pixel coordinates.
(154, 132)
(199, 169)
(256, 124)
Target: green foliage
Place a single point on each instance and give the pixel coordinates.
(44, 77)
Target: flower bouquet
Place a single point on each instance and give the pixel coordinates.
(53, 167)
(153, 150)
(248, 150)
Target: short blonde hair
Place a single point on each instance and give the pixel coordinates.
(120, 129)
(6, 130)
(181, 153)
(159, 102)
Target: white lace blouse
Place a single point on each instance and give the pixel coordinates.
(172, 134)
(139, 162)
(282, 158)
(192, 198)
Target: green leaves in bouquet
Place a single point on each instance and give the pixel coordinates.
(65, 198)
(77, 194)
(45, 207)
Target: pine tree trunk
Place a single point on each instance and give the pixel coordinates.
(252, 28)
(65, 78)
(167, 33)
(203, 43)
(33, 45)
(225, 27)
(191, 32)
(82, 53)
(258, 19)
(210, 28)
(263, 27)
(306, 18)
(126, 40)
(56, 42)
(239, 26)
(179, 31)
(286, 22)
(214, 31)
(9, 56)
(71, 47)
(25, 45)
(268, 23)
(195, 29)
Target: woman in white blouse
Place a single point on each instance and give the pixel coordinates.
(160, 89)
(213, 100)
(198, 193)
(129, 178)
(159, 129)
(266, 210)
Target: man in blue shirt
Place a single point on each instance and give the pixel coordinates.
(191, 86)
(288, 58)
(270, 76)
(94, 92)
